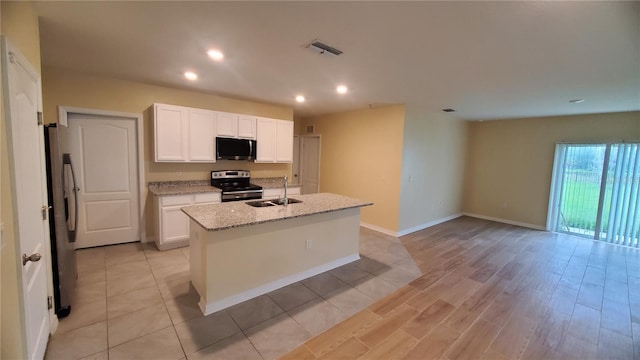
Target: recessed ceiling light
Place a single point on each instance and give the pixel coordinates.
(576, 101)
(191, 75)
(216, 55)
(341, 89)
(448, 110)
(300, 98)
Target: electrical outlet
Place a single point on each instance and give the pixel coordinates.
(308, 245)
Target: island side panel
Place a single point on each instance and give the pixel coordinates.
(248, 261)
(197, 255)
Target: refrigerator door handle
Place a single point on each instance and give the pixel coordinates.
(66, 160)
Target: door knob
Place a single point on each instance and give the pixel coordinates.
(34, 257)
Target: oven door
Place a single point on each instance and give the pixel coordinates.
(241, 195)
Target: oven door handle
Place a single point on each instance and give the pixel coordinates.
(241, 192)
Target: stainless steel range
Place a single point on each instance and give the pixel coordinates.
(235, 185)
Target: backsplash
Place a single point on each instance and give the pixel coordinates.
(180, 172)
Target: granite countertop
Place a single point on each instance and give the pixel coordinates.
(227, 215)
(181, 187)
(271, 183)
(162, 188)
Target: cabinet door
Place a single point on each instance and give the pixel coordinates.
(246, 127)
(202, 135)
(266, 140)
(227, 124)
(170, 125)
(284, 141)
(273, 193)
(175, 225)
(207, 198)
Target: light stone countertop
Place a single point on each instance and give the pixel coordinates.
(272, 183)
(163, 188)
(227, 215)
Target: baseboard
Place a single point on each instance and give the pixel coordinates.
(53, 322)
(428, 224)
(410, 230)
(506, 221)
(173, 245)
(379, 229)
(210, 308)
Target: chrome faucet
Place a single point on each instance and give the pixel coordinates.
(285, 201)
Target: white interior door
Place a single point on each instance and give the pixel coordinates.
(310, 164)
(26, 144)
(104, 153)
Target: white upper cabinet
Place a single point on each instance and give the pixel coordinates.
(247, 127)
(266, 140)
(284, 141)
(227, 125)
(184, 134)
(275, 140)
(202, 135)
(171, 132)
(236, 126)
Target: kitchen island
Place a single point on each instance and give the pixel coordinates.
(238, 252)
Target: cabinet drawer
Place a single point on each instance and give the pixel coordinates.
(176, 200)
(207, 198)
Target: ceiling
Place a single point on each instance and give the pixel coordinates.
(486, 60)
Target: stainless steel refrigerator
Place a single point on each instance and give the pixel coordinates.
(63, 216)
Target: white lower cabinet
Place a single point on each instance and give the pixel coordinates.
(276, 193)
(172, 224)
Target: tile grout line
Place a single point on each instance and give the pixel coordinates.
(164, 302)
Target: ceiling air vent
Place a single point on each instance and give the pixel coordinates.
(323, 48)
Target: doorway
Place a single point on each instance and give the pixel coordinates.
(107, 146)
(595, 192)
(306, 163)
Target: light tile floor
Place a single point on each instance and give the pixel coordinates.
(135, 302)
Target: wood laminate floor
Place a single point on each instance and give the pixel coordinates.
(494, 291)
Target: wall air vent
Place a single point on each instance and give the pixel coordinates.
(323, 49)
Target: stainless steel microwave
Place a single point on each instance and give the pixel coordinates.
(235, 149)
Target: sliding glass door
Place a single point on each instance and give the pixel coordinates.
(595, 192)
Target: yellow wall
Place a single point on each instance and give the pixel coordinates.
(361, 157)
(69, 88)
(433, 164)
(20, 25)
(510, 162)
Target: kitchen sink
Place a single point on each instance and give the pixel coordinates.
(274, 202)
(281, 201)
